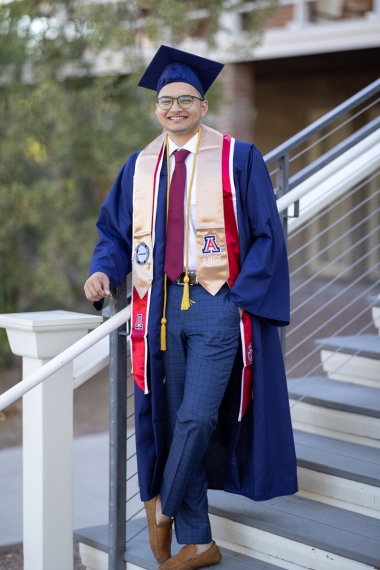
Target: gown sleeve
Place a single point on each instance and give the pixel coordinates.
(112, 254)
(262, 287)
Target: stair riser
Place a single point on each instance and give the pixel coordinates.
(92, 558)
(376, 317)
(95, 559)
(354, 369)
(278, 550)
(345, 426)
(339, 492)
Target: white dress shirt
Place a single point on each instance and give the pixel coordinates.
(191, 147)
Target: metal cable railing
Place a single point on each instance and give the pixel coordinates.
(340, 219)
(315, 279)
(334, 335)
(334, 130)
(339, 367)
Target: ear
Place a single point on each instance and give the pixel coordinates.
(204, 105)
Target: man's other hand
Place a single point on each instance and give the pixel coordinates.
(97, 286)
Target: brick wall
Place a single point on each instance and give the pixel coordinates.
(283, 15)
(356, 8)
(236, 116)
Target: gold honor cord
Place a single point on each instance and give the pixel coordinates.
(185, 305)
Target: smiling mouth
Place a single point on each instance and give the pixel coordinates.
(177, 118)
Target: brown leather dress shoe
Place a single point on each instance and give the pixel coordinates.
(187, 558)
(160, 535)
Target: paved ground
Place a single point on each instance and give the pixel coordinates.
(13, 559)
(90, 456)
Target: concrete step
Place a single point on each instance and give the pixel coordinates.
(336, 409)
(354, 359)
(94, 551)
(338, 473)
(295, 532)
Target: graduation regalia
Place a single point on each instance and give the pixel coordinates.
(251, 452)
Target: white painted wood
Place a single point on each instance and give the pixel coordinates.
(47, 433)
(336, 434)
(349, 368)
(90, 362)
(276, 549)
(47, 471)
(64, 357)
(93, 558)
(376, 317)
(335, 423)
(339, 492)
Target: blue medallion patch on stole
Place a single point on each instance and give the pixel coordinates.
(142, 253)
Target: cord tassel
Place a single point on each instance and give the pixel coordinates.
(185, 305)
(163, 334)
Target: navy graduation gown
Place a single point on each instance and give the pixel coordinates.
(254, 457)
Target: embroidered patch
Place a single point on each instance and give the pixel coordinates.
(210, 245)
(250, 353)
(139, 321)
(142, 253)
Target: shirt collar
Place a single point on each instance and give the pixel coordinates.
(191, 145)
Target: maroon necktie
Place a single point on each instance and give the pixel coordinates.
(176, 219)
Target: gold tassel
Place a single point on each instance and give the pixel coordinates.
(163, 333)
(185, 305)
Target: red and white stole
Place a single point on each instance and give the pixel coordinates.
(217, 239)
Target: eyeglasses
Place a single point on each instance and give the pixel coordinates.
(184, 101)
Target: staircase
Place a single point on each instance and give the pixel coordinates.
(330, 210)
(334, 520)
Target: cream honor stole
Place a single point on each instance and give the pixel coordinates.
(212, 256)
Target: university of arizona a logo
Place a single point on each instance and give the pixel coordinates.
(139, 321)
(210, 245)
(250, 353)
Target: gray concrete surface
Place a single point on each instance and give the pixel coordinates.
(90, 455)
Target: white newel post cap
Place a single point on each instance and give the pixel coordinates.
(45, 334)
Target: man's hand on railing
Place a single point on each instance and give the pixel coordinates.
(97, 286)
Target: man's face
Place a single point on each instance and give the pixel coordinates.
(180, 121)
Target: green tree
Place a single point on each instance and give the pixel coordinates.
(70, 115)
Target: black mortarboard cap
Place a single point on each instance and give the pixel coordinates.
(170, 65)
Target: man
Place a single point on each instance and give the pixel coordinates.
(195, 219)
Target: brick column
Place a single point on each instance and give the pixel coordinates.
(237, 115)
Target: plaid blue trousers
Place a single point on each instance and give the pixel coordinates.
(201, 349)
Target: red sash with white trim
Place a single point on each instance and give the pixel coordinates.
(233, 249)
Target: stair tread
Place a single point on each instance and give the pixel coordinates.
(318, 525)
(343, 396)
(138, 551)
(339, 458)
(365, 345)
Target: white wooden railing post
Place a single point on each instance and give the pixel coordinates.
(47, 434)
